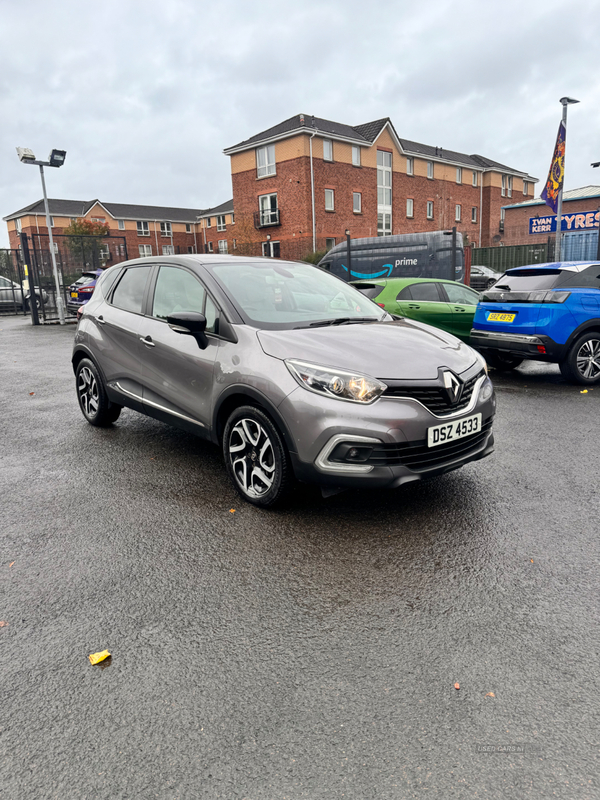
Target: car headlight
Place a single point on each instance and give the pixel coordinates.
(482, 361)
(331, 382)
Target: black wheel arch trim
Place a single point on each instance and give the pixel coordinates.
(588, 325)
(263, 402)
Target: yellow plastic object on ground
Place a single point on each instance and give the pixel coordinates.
(96, 658)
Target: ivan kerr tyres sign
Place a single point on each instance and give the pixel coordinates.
(570, 222)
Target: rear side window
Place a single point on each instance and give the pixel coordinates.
(426, 292)
(588, 279)
(530, 280)
(405, 294)
(369, 290)
(457, 293)
(129, 293)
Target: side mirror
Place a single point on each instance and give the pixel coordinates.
(191, 323)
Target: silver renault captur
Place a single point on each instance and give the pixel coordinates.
(296, 374)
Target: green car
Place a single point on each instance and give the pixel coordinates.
(444, 304)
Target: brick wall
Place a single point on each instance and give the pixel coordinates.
(516, 224)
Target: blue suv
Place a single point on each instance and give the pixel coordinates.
(546, 312)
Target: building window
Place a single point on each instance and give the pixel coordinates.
(94, 219)
(327, 150)
(329, 200)
(355, 155)
(143, 229)
(474, 179)
(410, 166)
(356, 202)
(145, 249)
(269, 213)
(121, 224)
(235, 244)
(525, 187)
(208, 222)
(329, 243)
(409, 207)
(459, 174)
(509, 184)
(265, 161)
(473, 215)
(188, 227)
(270, 249)
(430, 209)
(222, 245)
(165, 229)
(233, 219)
(168, 250)
(18, 225)
(52, 222)
(190, 248)
(209, 247)
(384, 224)
(457, 212)
(221, 222)
(430, 170)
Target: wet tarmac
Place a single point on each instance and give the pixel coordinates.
(308, 652)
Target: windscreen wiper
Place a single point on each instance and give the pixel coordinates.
(342, 321)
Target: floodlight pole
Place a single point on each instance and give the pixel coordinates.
(59, 300)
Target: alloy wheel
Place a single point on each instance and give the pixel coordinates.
(252, 457)
(588, 359)
(87, 389)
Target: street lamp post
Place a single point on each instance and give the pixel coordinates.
(56, 159)
(566, 101)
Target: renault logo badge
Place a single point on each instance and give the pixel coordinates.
(453, 387)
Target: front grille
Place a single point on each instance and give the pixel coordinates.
(434, 398)
(418, 457)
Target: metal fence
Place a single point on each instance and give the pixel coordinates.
(515, 255)
(13, 295)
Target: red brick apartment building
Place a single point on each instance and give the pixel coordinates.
(135, 230)
(301, 184)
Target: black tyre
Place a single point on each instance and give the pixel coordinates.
(582, 362)
(93, 400)
(502, 361)
(256, 457)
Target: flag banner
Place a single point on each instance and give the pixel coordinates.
(554, 184)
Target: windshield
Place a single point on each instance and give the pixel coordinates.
(288, 295)
(530, 280)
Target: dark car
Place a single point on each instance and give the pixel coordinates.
(545, 312)
(482, 277)
(13, 297)
(79, 293)
(294, 373)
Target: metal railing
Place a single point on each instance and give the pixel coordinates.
(266, 219)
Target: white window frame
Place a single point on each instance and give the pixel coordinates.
(188, 227)
(18, 225)
(168, 250)
(357, 202)
(329, 196)
(474, 214)
(327, 150)
(208, 219)
(430, 209)
(329, 243)
(355, 155)
(209, 246)
(430, 170)
(474, 178)
(509, 185)
(121, 224)
(222, 245)
(503, 190)
(166, 229)
(221, 222)
(143, 228)
(145, 250)
(525, 188)
(266, 155)
(457, 212)
(459, 174)
(410, 207)
(268, 213)
(233, 219)
(52, 222)
(410, 165)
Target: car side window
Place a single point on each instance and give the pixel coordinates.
(129, 293)
(177, 290)
(211, 312)
(588, 279)
(426, 292)
(405, 294)
(457, 293)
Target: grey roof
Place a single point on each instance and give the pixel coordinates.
(78, 208)
(583, 193)
(224, 208)
(367, 133)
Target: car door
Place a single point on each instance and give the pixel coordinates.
(422, 301)
(462, 302)
(118, 332)
(177, 374)
(478, 279)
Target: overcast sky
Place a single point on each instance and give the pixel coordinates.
(144, 95)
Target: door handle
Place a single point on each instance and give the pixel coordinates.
(101, 319)
(413, 305)
(147, 341)
(458, 308)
